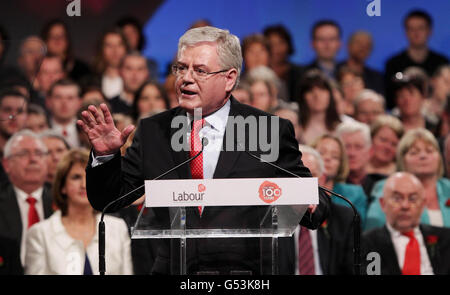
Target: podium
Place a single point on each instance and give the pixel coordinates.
(260, 209)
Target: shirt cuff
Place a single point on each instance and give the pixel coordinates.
(99, 160)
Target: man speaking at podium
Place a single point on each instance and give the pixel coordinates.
(207, 69)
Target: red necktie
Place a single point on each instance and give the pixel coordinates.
(33, 216)
(305, 253)
(196, 146)
(65, 132)
(411, 265)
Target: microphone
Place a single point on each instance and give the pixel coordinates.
(356, 217)
(101, 224)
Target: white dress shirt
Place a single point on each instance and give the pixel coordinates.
(71, 129)
(435, 216)
(401, 241)
(315, 246)
(52, 251)
(21, 197)
(111, 86)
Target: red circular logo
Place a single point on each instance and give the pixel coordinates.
(201, 187)
(269, 192)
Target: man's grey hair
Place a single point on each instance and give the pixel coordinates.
(228, 46)
(305, 149)
(53, 134)
(352, 127)
(7, 151)
(266, 74)
(369, 94)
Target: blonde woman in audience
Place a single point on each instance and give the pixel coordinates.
(332, 151)
(418, 153)
(386, 131)
(67, 242)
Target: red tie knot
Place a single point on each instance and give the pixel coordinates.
(31, 200)
(197, 125)
(409, 234)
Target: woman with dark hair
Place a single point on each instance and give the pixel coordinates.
(67, 242)
(111, 49)
(318, 114)
(281, 48)
(56, 36)
(151, 98)
(131, 28)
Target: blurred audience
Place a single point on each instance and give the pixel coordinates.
(134, 72)
(255, 52)
(150, 97)
(24, 200)
(242, 93)
(352, 84)
(318, 114)
(405, 245)
(368, 106)
(50, 71)
(386, 131)
(418, 153)
(418, 26)
(63, 103)
(434, 106)
(67, 242)
(57, 147)
(36, 119)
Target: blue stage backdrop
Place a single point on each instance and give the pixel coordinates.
(243, 17)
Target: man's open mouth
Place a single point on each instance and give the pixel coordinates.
(188, 92)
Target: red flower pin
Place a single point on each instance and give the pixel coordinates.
(1, 261)
(432, 239)
(447, 203)
(325, 223)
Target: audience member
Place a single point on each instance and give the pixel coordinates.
(327, 250)
(352, 84)
(405, 245)
(63, 103)
(368, 106)
(359, 48)
(67, 242)
(25, 200)
(56, 36)
(255, 51)
(332, 151)
(10, 254)
(110, 51)
(50, 71)
(357, 142)
(434, 106)
(318, 114)
(150, 97)
(290, 113)
(326, 41)
(131, 28)
(134, 72)
(447, 155)
(36, 119)
(386, 131)
(418, 26)
(169, 87)
(418, 153)
(409, 95)
(57, 147)
(13, 114)
(242, 93)
(93, 92)
(281, 47)
(261, 93)
(31, 52)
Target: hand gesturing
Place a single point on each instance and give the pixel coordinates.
(103, 135)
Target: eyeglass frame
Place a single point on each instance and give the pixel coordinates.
(397, 200)
(196, 74)
(27, 153)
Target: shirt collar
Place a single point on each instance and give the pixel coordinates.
(21, 195)
(395, 233)
(218, 119)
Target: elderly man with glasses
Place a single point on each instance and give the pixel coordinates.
(25, 200)
(404, 245)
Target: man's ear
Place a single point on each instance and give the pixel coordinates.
(382, 201)
(231, 77)
(5, 164)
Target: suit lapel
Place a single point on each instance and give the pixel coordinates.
(432, 249)
(388, 254)
(227, 159)
(324, 243)
(12, 215)
(184, 172)
(47, 202)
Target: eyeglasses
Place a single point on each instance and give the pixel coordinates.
(197, 73)
(26, 153)
(413, 200)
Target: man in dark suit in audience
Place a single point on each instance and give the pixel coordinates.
(418, 26)
(9, 257)
(208, 66)
(25, 200)
(405, 246)
(331, 245)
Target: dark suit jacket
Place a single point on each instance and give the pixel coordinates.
(10, 220)
(151, 154)
(10, 257)
(437, 241)
(335, 243)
